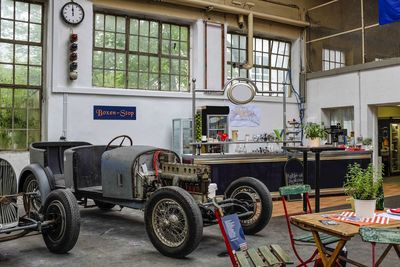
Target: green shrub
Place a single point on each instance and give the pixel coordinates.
(360, 182)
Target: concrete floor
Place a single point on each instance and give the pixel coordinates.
(119, 239)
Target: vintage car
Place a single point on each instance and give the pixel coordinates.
(58, 219)
(174, 196)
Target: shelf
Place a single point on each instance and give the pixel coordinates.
(245, 142)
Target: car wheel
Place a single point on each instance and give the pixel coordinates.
(173, 222)
(34, 203)
(62, 208)
(257, 197)
(104, 205)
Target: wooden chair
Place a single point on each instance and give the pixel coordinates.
(389, 236)
(307, 238)
(272, 255)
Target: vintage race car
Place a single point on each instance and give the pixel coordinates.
(57, 220)
(174, 196)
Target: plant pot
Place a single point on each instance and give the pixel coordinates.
(316, 142)
(365, 208)
(350, 200)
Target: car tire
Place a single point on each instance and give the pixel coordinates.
(31, 185)
(104, 206)
(61, 206)
(250, 189)
(173, 208)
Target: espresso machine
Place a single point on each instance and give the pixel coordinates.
(337, 135)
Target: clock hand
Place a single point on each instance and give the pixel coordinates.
(73, 13)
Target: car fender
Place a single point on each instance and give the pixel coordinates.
(44, 180)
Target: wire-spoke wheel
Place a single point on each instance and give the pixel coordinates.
(170, 222)
(258, 201)
(31, 185)
(173, 221)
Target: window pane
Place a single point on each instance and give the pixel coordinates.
(35, 55)
(99, 22)
(6, 73)
(144, 28)
(6, 53)
(110, 23)
(35, 13)
(121, 24)
(21, 75)
(7, 29)
(7, 9)
(21, 11)
(35, 34)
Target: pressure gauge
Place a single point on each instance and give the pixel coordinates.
(72, 13)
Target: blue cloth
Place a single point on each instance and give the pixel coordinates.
(389, 11)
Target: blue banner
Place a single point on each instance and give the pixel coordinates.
(389, 11)
(234, 232)
(114, 113)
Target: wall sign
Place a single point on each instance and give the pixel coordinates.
(114, 113)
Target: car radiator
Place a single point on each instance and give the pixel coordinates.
(8, 204)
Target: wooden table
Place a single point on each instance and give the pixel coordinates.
(317, 151)
(345, 231)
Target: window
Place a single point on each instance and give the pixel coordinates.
(140, 54)
(21, 67)
(271, 62)
(332, 59)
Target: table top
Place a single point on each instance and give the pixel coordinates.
(312, 149)
(342, 229)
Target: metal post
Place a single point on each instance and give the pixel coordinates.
(284, 116)
(317, 177)
(194, 115)
(305, 176)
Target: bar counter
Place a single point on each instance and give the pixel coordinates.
(268, 167)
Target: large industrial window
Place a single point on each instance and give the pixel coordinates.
(332, 59)
(349, 26)
(271, 62)
(21, 61)
(140, 54)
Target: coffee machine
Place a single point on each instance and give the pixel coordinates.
(337, 135)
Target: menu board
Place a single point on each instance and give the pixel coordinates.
(294, 175)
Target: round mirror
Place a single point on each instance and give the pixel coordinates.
(241, 93)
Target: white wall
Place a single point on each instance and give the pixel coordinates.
(361, 89)
(68, 106)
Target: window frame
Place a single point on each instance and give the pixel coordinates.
(334, 61)
(27, 87)
(261, 67)
(127, 52)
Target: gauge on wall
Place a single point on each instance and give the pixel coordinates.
(72, 13)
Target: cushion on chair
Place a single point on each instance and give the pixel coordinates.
(294, 189)
(380, 235)
(308, 238)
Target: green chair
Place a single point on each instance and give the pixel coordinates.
(307, 238)
(390, 236)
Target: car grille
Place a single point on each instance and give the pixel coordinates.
(8, 186)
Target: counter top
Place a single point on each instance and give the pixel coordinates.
(216, 158)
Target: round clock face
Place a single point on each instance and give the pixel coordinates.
(72, 13)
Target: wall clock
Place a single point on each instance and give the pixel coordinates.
(72, 13)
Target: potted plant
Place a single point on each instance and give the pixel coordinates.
(314, 132)
(363, 185)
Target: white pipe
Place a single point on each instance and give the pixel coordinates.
(249, 63)
(238, 11)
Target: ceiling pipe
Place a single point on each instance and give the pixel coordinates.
(249, 63)
(238, 11)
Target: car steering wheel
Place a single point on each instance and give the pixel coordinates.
(118, 137)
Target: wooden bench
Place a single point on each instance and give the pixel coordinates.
(263, 256)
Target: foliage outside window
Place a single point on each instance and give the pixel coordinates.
(21, 67)
(332, 59)
(271, 62)
(140, 54)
